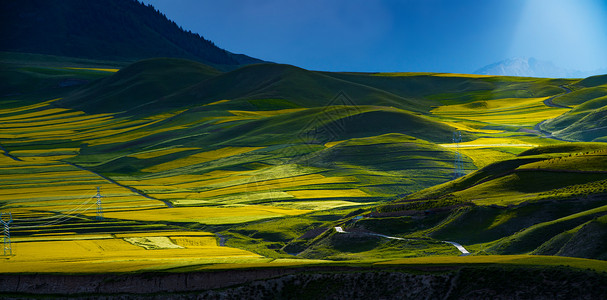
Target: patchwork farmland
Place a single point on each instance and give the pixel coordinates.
(193, 177)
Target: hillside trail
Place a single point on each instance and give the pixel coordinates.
(459, 247)
(550, 102)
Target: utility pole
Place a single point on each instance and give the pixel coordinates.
(7, 234)
(459, 164)
(99, 208)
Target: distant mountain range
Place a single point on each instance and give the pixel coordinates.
(531, 67)
(121, 30)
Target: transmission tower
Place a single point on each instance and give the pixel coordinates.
(7, 234)
(458, 162)
(99, 208)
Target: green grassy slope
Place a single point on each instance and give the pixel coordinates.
(548, 200)
(586, 120)
(137, 85)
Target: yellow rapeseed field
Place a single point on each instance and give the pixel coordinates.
(26, 116)
(112, 255)
(492, 142)
(509, 111)
(483, 156)
(112, 70)
(5, 111)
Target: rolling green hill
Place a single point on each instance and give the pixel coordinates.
(547, 200)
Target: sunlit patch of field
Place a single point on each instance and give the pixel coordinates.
(200, 158)
(491, 142)
(592, 162)
(461, 125)
(5, 111)
(319, 194)
(46, 154)
(402, 74)
(462, 75)
(205, 215)
(95, 69)
(485, 156)
(509, 111)
(35, 115)
(217, 102)
(117, 255)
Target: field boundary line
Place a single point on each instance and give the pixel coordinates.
(132, 189)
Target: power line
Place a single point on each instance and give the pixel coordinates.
(458, 162)
(99, 208)
(7, 233)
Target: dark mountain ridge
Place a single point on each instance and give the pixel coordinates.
(124, 30)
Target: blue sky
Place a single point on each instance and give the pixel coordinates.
(458, 36)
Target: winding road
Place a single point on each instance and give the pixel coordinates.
(459, 247)
(549, 102)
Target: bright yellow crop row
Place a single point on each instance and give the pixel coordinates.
(60, 118)
(462, 75)
(200, 158)
(464, 127)
(319, 194)
(217, 102)
(25, 108)
(96, 69)
(491, 142)
(25, 116)
(206, 215)
(483, 156)
(46, 175)
(157, 153)
(510, 111)
(494, 105)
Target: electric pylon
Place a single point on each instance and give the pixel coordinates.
(459, 164)
(99, 208)
(7, 234)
